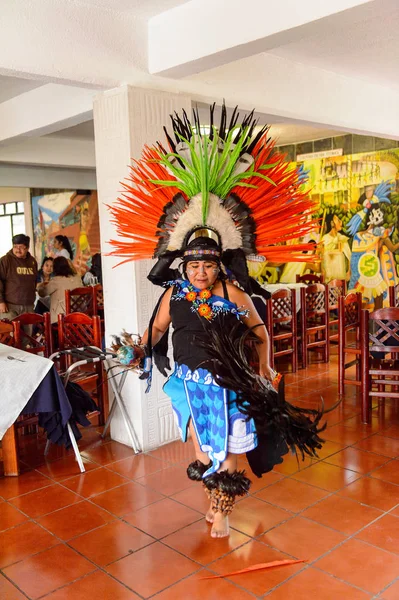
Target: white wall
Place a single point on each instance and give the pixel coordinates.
(19, 194)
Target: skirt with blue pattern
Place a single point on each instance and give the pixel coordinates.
(219, 426)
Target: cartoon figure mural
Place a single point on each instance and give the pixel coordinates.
(372, 265)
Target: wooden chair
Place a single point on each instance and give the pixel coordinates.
(336, 289)
(10, 333)
(35, 334)
(394, 296)
(314, 321)
(379, 333)
(282, 329)
(82, 300)
(74, 331)
(349, 309)
(310, 278)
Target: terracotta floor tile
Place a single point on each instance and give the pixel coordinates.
(10, 516)
(374, 492)
(395, 512)
(138, 466)
(342, 514)
(27, 482)
(107, 453)
(380, 444)
(392, 431)
(22, 541)
(391, 593)
(46, 500)
(292, 495)
(152, 569)
(389, 472)
(163, 517)
(168, 481)
(329, 448)
(193, 497)
(175, 453)
(302, 538)
(383, 533)
(262, 482)
(196, 587)
(312, 583)
(110, 542)
(352, 562)
(357, 460)
(254, 553)
(65, 468)
(49, 570)
(253, 516)
(344, 435)
(126, 498)
(97, 585)
(75, 520)
(95, 482)
(8, 591)
(195, 542)
(327, 477)
(292, 464)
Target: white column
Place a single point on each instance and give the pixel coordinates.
(125, 119)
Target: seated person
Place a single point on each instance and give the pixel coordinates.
(44, 275)
(63, 279)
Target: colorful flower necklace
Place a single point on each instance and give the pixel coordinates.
(200, 300)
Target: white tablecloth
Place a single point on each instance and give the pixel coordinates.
(20, 376)
(274, 287)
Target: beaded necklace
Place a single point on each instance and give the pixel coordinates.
(200, 301)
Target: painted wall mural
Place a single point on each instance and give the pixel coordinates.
(72, 214)
(358, 236)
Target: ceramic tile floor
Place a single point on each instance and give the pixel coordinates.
(132, 526)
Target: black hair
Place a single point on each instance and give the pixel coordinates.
(202, 245)
(45, 259)
(329, 221)
(62, 268)
(96, 267)
(21, 238)
(62, 239)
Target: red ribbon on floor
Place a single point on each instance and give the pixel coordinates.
(259, 567)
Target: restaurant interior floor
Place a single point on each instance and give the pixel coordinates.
(132, 526)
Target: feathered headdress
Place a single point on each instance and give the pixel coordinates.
(229, 179)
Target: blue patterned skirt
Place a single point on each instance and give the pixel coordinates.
(220, 427)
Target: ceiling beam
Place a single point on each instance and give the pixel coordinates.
(204, 34)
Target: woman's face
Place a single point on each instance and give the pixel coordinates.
(57, 244)
(48, 267)
(202, 273)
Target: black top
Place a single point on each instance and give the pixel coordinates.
(190, 332)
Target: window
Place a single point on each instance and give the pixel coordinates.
(12, 221)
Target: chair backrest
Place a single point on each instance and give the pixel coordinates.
(82, 300)
(77, 329)
(310, 278)
(10, 333)
(35, 333)
(349, 309)
(282, 307)
(394, 296)
(336, 288)
(380, 330)
(316, 299)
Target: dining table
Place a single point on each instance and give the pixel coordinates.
(30, 384)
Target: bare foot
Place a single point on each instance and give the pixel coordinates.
(220, 528)
(210, 515)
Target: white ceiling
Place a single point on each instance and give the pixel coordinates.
(14, 86)
(142, 8)
(366, 47)
(84, 131)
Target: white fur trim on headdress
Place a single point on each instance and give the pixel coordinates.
(218, 218)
